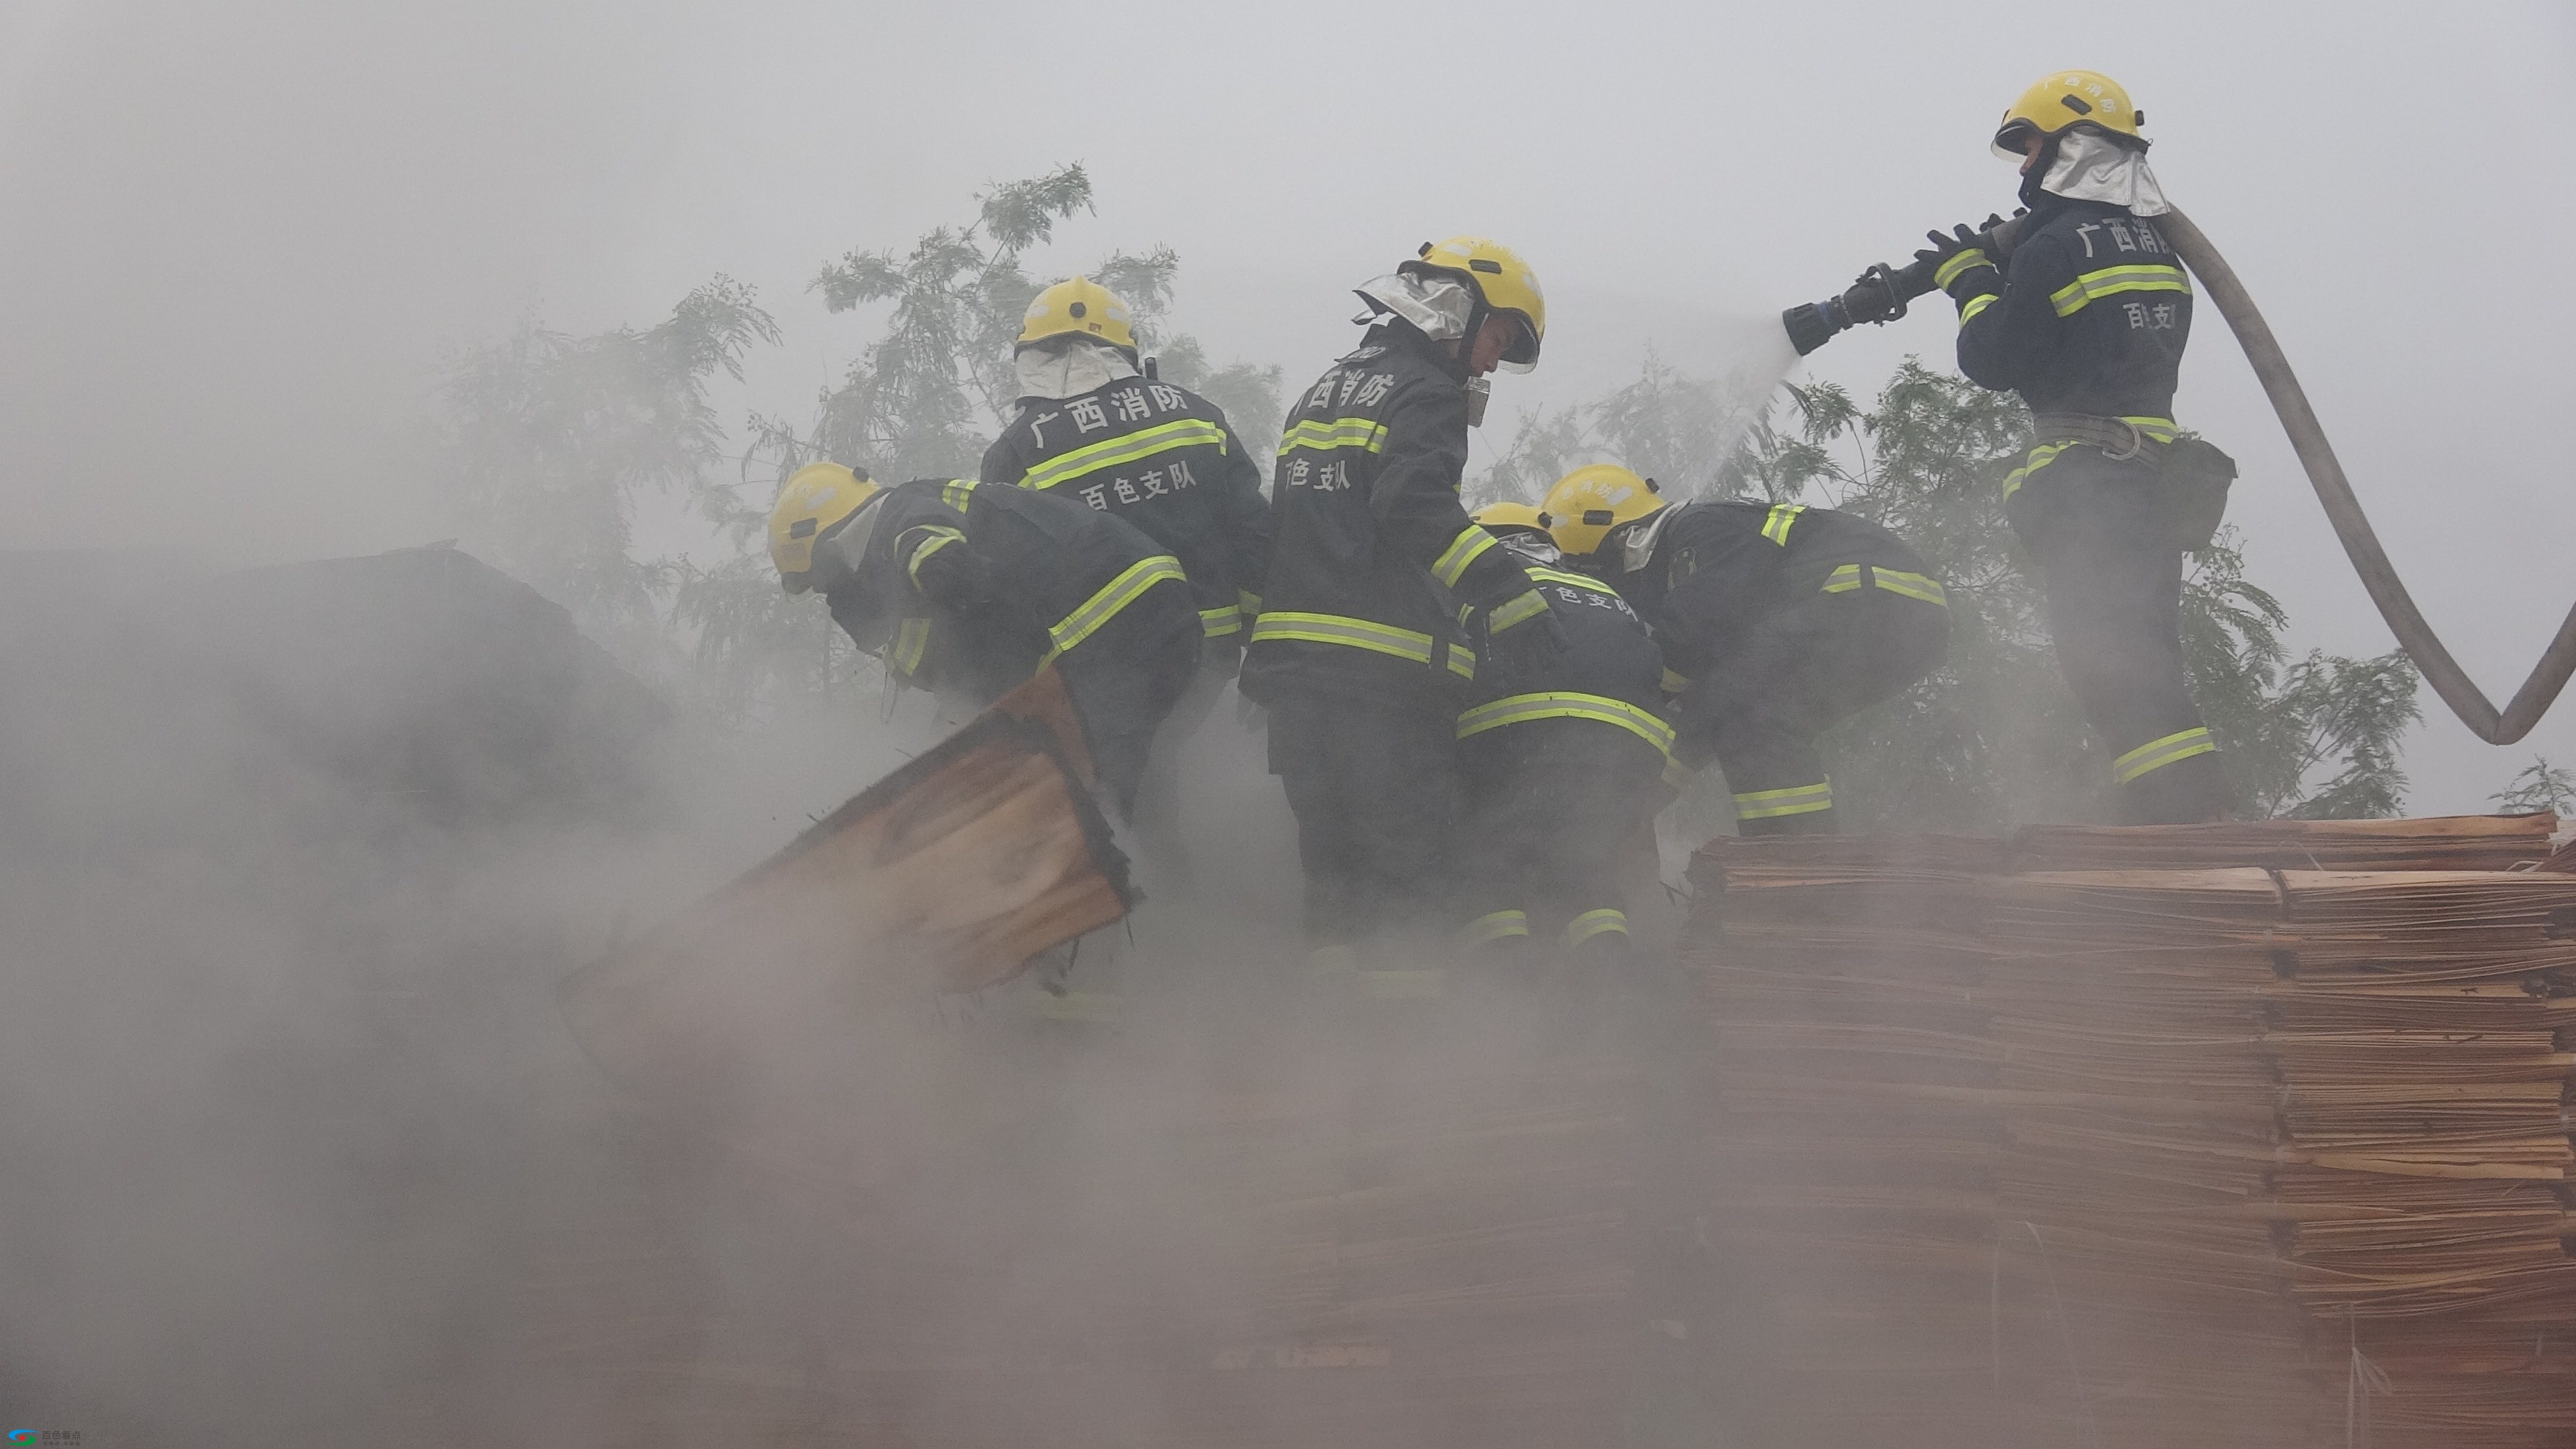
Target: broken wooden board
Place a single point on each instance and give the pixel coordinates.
(947, 875)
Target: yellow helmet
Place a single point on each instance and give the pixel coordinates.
(1501, 518)
(1500, 277)
(2067, 98)
(815, 499)
(1082, 307)
(1590, 501)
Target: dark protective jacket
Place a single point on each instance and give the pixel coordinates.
(2089, 315)
(1371, 552)
(1007, 569)
(1162, 458)
(1610, 673)
(1716, 567)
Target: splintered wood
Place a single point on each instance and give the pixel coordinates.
(2243, 1134)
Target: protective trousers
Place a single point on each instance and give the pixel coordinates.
(1158, 798)
(2100, 534)
(1545, 826)
(1791, 675)
(1371, 785)
(1125, 680)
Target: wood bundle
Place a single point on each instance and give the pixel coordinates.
(2149, 1149)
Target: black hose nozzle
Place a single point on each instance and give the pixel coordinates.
(1881, 293)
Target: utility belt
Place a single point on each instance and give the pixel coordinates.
(2190, 476)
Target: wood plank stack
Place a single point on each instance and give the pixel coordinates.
(2139, 1136)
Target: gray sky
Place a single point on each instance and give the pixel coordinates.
(234, 239)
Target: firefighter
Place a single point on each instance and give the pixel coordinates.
(952, 579)
(1092, 427)
(1558, 767)
(1775, 620)
(2086, 320)
(1358, 652)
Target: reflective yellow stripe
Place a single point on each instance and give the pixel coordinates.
(1567, 704)
(1596, 923)
(1846, 579)
(1251, 603)
(1518, 608)
(2076, 295)
(938, 536)
(956, 491)
(1974, 305)
(1675, 683)
(1134, 447)
(1117, 594)
(1678, 775)
(2161, 430)
(1948, 272)
(1579, 581)
(1465, 549)
(2156, 754)
(1462, 662)
(911, 641)
(1495, 925)
(1217, 623)
(1338, 629)
(1798, 800)
(1776, 527)
(1367, 434)
(2039, 458)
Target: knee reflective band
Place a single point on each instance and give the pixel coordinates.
(1366, 434)
(1566, 704)
(1798, 800)
(2076, 295)
(911, 640)
(934, 539)
(1133, 448)
(1216, 623)
(956, 491)
(1463, 550)
(1595, 923)
(1776, 526)
(1847, 579)
(1117, 594)
(1519, 609)
(2156, 754)
(1495, 926)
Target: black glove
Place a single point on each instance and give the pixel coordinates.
(1522, 636)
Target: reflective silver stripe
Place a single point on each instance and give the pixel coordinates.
(1974, 305)
(956, 491)
(911, 641)
(1495, 926)
(1338, 629)
(1134, 447)
(2039, 458)
(2076, 295)
(1843, 580)
(1462, 662)
(1596, 923)
(1958, 262)
(1366, 434)
(1675, 683)
(2156, 754)
(1797, 800)
(1579, 581)
(1776, 526)
(1117, 594)
(1567, 704)
(937, 537)
(1216, 623)
(1847, 578)
(1465, 549)
(1516, 609)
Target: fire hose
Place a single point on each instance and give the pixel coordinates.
(1882, 292)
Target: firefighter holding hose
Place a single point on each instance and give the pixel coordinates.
(2086, 319)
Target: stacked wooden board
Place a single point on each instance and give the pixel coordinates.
(2205, 1134)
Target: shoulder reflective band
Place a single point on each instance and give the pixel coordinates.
(911, 641)
(1975, 305)
(1847, 579)
(2039, 458)
(1675, 683)
(1115, 595)
(1567, 704)
(1337, 629)
(2156, 754)
(1366, 434)
(1776, 527)
(956, 491)
(934, 538)
(1596, 923)
(1520, 608)
(1465, 549)
(1959, 261)
(1216, 623)
(1117, 452)
(1496, 926)
(1772, 804)
(2076, 295)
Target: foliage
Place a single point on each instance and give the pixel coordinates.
(545, 441)
(2540, 786)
